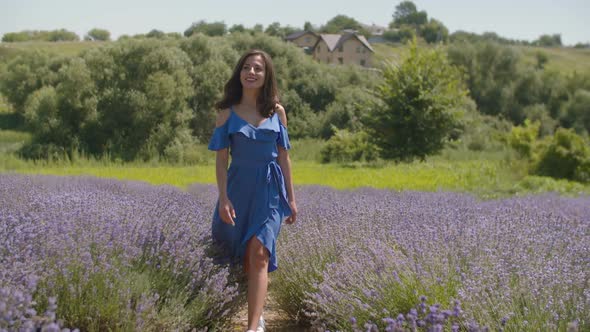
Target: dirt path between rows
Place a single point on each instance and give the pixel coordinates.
(276, 319)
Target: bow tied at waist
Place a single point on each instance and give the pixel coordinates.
(274, 174)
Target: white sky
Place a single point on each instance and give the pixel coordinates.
(516, 19)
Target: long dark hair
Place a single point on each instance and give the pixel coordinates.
(267, 100)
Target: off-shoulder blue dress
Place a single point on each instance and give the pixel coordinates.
(255, 185)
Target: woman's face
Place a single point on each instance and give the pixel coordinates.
(253, 72)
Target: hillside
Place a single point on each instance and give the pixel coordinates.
(11, 50)
(562, 59)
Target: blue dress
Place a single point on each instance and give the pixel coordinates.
(255, 185)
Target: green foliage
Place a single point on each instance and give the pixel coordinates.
(461, 36)
(27, 73)
(155, 33)
(343, 22)
(539, 113)
(406, 13)
(567, 156)
(554, 92)
(503, 83)
(209, 29)
(434, 32)
(490, 69)
(542, 59)
(35, 35)
(237, 28)
(418, 106)
(576, 112)
(401, 35)
(345, 146)
(408, 22)
(479, 132)
(275, 30)
(346, 111)
(523, 139)
(98, 34)
(549, 40)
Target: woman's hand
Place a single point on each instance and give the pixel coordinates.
(293, 217)
(226, 211)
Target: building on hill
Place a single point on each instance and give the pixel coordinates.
(303, 39)
(345, 48)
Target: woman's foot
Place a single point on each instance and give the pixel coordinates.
(261, 325)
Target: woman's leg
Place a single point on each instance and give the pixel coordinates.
(257, 270)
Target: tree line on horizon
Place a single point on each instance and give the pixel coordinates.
(146, 99)
(407, 22)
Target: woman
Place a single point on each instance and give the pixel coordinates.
(256, 192)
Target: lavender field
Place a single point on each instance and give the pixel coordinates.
(94, 254)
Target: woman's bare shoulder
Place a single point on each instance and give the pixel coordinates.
(222, 117)
(281, 113)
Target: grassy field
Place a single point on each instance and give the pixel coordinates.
(11, 50)
(561, 59)
(484, 178)
(565, 60)
(486, 174)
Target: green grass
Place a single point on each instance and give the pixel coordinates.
(11, 50)
(12, 140)
(566, 60)
(563, 59)
(388, 52)
(487, 179)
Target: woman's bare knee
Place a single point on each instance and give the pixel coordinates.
(258, 255)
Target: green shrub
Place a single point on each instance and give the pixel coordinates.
(576, 111)
(540, 113)
(346, 146)
(567, 156)
(523, 138)
(346, 111)
(419, 106)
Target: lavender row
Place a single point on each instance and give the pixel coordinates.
(102, 254)
(131, 256)
(365, 258)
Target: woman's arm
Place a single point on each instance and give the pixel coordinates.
(285, 163)
(226, 209)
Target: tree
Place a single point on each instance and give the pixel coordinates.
(98, 35)
(258, 27)
(490, 71)
(417, 106)
(401, 35)
(27, 73)
(154, 33)
(274, 29)
(434, 31)
(308, 26)
(237, 28)
(549, 40)
(576, 112)
(343, 22)
(566, 157)
(54, 35)
(406, 13)
(12, 37)
(209, 29)
(61, 35)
